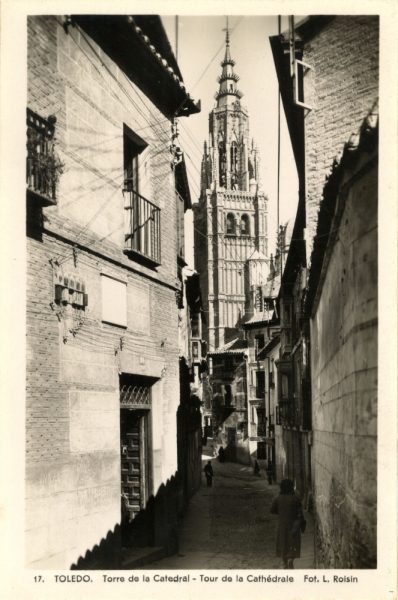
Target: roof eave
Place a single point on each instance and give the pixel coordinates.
(133, 52)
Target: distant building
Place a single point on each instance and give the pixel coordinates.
(230, 254)
(328, 300)
(231, 216)
(262, 335)
(193, 372)
(105, 191)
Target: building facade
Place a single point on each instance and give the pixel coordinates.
(193, 372)
(326, 96)
(102, 316)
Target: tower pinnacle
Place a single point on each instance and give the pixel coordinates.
(228, 92)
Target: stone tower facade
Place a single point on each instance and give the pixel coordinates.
(231, 216)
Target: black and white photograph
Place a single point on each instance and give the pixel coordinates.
(204, 381)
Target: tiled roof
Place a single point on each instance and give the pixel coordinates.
(259, 318)
(271, 288)
(236, 346)
(270, 346)
(257, 256)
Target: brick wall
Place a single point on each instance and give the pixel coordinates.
(72, 403)
(342, 88)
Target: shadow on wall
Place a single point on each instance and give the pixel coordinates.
(156, 525)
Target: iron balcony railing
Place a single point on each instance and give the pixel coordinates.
(43, 167)
(142, 226)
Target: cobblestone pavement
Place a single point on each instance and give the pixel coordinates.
(229, 526)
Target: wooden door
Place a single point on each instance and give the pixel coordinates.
(134, 476)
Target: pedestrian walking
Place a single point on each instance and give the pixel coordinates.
(221, 454)
(256, 470)
(291, 522)
(209, 473)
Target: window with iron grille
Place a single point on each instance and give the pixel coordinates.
(142, 217)
(135, 391)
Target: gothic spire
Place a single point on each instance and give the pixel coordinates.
(228, 92)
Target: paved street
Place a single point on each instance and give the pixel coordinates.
(229, 526)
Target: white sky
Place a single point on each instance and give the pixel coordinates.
(201, 41)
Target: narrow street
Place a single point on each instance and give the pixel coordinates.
(229, 525)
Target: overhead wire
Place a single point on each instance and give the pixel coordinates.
(149, 125)
(78, 158)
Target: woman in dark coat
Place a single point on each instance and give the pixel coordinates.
(288, 507)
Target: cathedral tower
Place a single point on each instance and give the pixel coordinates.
(231, 217)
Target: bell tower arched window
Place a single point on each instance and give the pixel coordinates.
(222, 163)
(234, 158)
(244, 225)
(230, 222)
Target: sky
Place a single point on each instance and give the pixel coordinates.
(201, 48)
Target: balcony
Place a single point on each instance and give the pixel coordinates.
(43, 166)
(142, 227)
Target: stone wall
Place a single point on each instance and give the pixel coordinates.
(72, 401)
(344, 383)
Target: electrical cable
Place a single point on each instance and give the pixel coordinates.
(215, 56)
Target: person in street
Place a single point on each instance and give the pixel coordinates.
(256, 469)
(209, 473)
(269, 472)
(221, 454)
(288, 508)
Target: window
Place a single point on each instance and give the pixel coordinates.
(230, 224)
(258, 344)
(284, 387)
(244, 225)
(195, 324)
(114, 301)
(210, 363)
(301, 69)
(196, 351)
(268, 304)
(228, 395)
(142, 217)
(234, 157)
(43, 166)
(222, 162)
(133, 145)
(260, 384)
(271, 379)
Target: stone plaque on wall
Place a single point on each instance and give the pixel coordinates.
(138, 308)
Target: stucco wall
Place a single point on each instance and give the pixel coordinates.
(344, 384)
